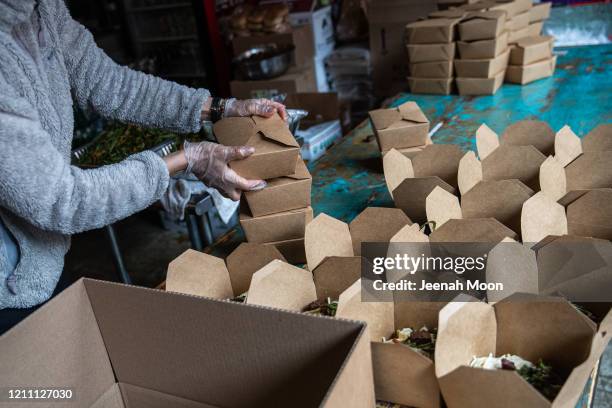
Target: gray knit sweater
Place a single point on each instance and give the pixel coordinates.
(46, 61)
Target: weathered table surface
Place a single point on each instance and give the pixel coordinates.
(349, 177)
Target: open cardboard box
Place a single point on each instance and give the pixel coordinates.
(437, 69)
(482, 25)
(482, 68)
(333, 248)
(430, 52)
(532, 49)
(524, 74)
(402, 375)
(122, 346)
(483, 49)
(400, 127)
(433, 86)
(431, 31)
(530, 326)
(282, 193)
(411, 180)
(572, 169)
(276, 150)
(481, 86)
(275, 227)
(270, 281)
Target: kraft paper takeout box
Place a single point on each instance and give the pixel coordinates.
(472, 230)
(291, 249)
(535, 29)
(275, 227)
(599, 138)
(401, 375)
(515, 157)
(518, 22)
(333, 248)
(524, 74)
(276, 284)
(431, 31)
(539, 12)
(484, 68)
(410, 152)
(276, 150)
(483, 49)
(480, 86)
(455, 13)
(400, 127)
(247, 259)
(410, 181)
(532, 327)
(512, 7)
(433, 86)
(438, 69)
(124, 346)
(282, 193)
(515, 35)
(572, 169)
(430, 52)
(482, 25)
(531, 49)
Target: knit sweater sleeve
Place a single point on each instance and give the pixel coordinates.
(39, 185)
(118, 92)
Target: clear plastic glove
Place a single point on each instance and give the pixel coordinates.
(250, 107)
(209, 163)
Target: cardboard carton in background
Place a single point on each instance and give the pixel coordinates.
(482, 25)
(531, 49)
(439, 69)
(480, 86)
(483, 49)
(276, 227)
(318, 26)
(300, 37)
(400, 127)
(484, 68)
(125, 346)
(418, 53)
(296, 80)
(524, 74)
(434, 86)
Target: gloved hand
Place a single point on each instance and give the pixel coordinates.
(249, 107)
(209, 163)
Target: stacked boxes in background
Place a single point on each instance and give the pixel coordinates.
(431, 48)
(518, 17)
(531, 58)
(278, 214)
(483, 52)
(537, 14)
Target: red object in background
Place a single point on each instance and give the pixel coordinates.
(221, 58)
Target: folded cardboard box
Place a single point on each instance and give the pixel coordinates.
(410, 180)
(482, 25)
(483, 49)
(517, 22)
(124, 346)
(483, 68)
(292, 250)
(454, 13)
(480, 86)
(531, 49)
(535, 28)
(524, 74)
(434, 86)
(282, 193)
(430, 52)
(534, 133)
(431, 31)
(400, 127)
(276, 150)
(599, 138)
(472, 230)
(515, 35)
(481, 5)
(275, 227)
(535, 328)
(300, 79)
(512, 7)
(410, 152)
(539, 12)
(438, 69)
(397, 362)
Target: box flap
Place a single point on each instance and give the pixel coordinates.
(553, 181)
(200, 274)
(469, 172)
(599, 138)
(396, 168)
(336, 274)
(410, 241)
(283, 286)
(301, 171)
(567, 146)
(453, 13)
(417, 314)
(441, 206)
(274, 128)
(542, 216)
(326, 236)
(591, 214)
(59, 346)
(247, 259)
(590, 170)
(530, 132)
(378, 315)
(110, 399)
(533, 40)
(486, 141)
(514, 162)
(485, 15)
(138, 397)
(514, 265)
(383, 118)
(441, 160)
(472, 230)
(411, 195)
(234, 131)
(285, 364)
(433, 22)
(376, 224)
(410, 112)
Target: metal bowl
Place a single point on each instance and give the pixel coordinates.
(263, 62)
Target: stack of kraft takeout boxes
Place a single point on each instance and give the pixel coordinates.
(404, 128)
(531, 58)
(483, 52)
(278, 214)
(431, 49)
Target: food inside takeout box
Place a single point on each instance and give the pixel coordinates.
(411, 180)
(549, 333)
(400, 127)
